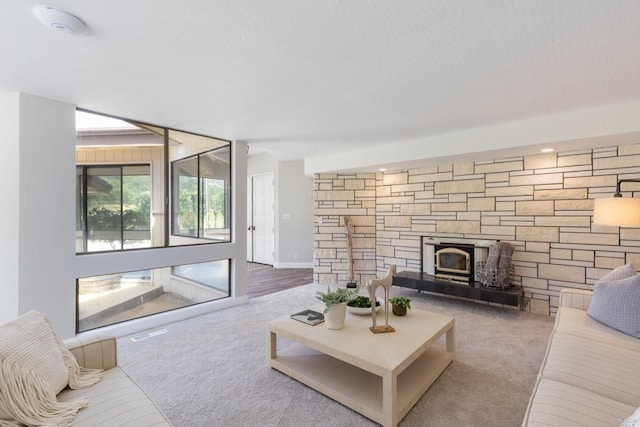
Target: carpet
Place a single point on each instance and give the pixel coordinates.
(211, 370)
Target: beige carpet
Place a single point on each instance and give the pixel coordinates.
(212, 370)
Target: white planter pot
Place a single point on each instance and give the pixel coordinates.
(334, 318)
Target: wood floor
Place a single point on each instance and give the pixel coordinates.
(263, 280)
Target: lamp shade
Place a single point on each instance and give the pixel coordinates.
(617, 211)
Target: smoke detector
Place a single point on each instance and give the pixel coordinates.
(59, 20)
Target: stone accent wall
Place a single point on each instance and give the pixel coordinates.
(541, 204)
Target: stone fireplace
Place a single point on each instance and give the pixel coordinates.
(454, 259)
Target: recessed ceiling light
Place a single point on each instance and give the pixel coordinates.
(548, 150)
(382, 169)
(59, 20)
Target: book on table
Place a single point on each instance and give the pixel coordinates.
(310, 317)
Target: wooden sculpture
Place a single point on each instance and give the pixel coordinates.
(372, 285)
(349, 229)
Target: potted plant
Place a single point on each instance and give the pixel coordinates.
(400, 305)
(335, 306)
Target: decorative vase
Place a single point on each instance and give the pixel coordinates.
(399, 310)
(334, 318)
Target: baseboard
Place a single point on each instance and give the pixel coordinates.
(292, 265)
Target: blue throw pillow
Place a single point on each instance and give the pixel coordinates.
(617, 305)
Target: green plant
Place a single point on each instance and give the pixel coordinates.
(331, 298)
(401, 302)
(361, 301)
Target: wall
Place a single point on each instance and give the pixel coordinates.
(39, 139)
(295, 216)
(542, 204)
(40, 265)
(293, 210)
(10, 214)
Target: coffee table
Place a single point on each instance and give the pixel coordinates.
(380, 376)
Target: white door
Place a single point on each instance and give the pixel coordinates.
(260, 236)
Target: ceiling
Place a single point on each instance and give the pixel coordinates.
(316, 79)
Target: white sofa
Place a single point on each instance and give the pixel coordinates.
(115, 400)
(590, 375)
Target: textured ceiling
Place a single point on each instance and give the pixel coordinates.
(307, 78)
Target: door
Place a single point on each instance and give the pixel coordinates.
(260, 234)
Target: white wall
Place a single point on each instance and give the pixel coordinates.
(41, 185)
(295, 219)
(293, 192)
(10, 212)
(39, 261)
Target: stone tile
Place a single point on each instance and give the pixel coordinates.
(416, 209)
(448, 207)
(499, 167)
(591, 181)
(560, 194)
(563, 221)
(540, 207)
(541, 161)
(458, 226)
(574, 205)
(521, 190)
(562, 272)
(537, 247)
(561, 253)
(334, 195)
(481, 203)
(395, 178)
(538, 234)
(610, 263)
(575, 160)
(530, 282)
(461, 186)
(431, 177)
(463, 169)
(616, 162)
(583, 255)
(354, 184)
(537, 179)
(403, 188)
(497, 177)
(397, 221)
(589, 238)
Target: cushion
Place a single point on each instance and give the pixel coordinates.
(617, 305)
(34, 367)
(618, 273)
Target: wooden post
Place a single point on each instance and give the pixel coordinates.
(349, 229)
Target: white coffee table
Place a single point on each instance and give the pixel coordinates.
(380, 376)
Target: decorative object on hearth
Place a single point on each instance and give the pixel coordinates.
(335, 303)
(617, 211)
(349, 229)
(497, 271)
(372, 286)
(400, 305)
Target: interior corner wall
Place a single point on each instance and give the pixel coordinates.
(40, 142)
(295, 219)
(10, 213)
(541, 204)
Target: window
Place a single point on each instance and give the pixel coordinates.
(113, 207)
(113, 298)
(201, 194)
(128, 198)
